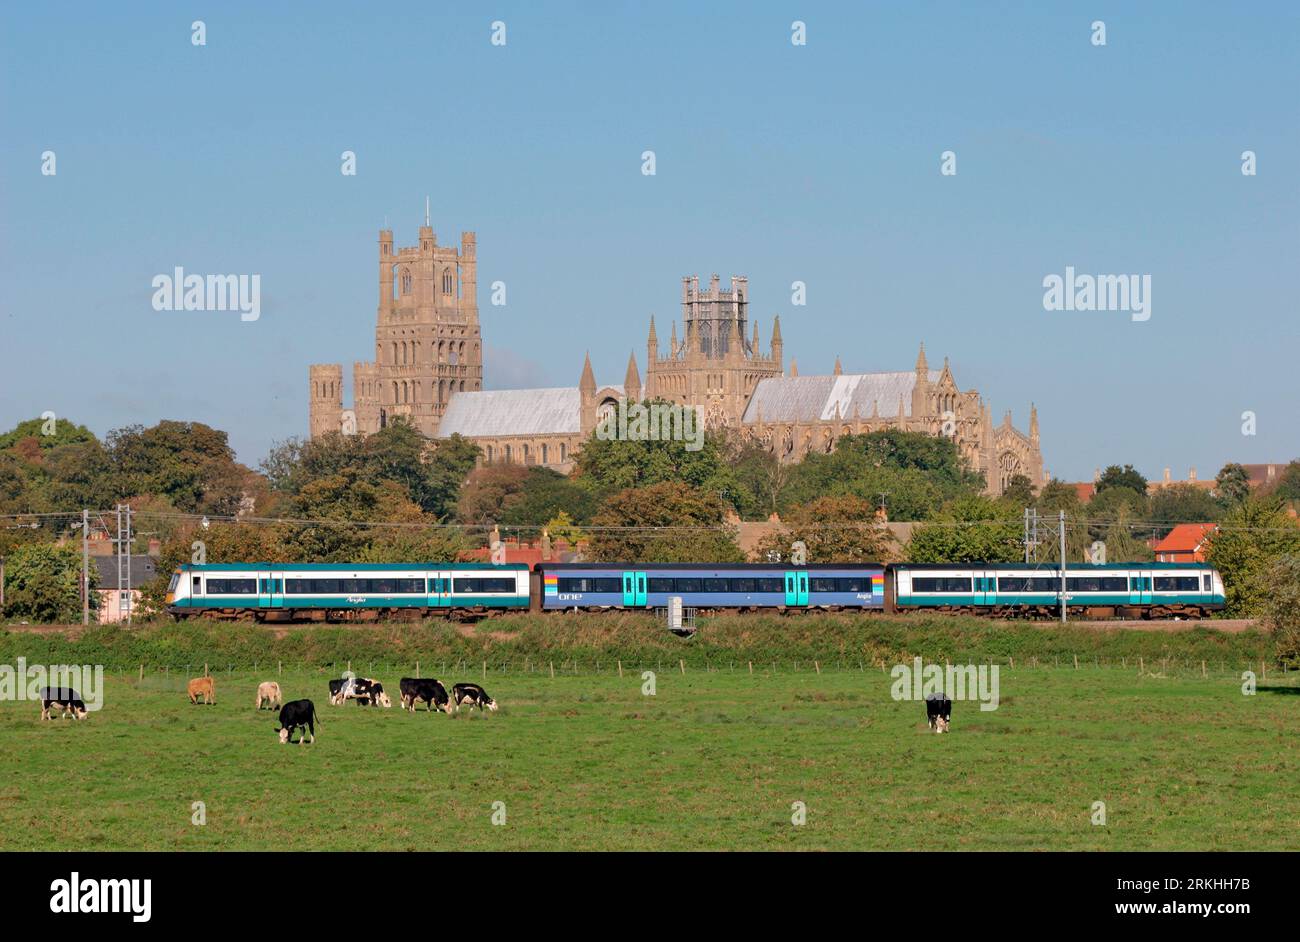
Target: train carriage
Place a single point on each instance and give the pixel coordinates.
(1132, 590)
(343, 591)
(738, 586)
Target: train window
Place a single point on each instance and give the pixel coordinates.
(940, 584)
(660, 585)
(297, 586)
(1028, 583)
(687, 585)
(1097, 584)
(484, 585)
(853, 584)
(411, 586)
(1176, 583)
(325, 586)
(232, 586)
(715, 585)
(743, 585)
(196, 585)
(771, 585)
(1209, 584)
(822, 584)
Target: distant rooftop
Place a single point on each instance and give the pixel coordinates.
(819, 398)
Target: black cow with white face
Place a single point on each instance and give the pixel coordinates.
(472, 694)
(938, 708)
(297, 714)
(426, 689)
(66, 699)
(364, 690)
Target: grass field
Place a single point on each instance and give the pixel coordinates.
(713, 760)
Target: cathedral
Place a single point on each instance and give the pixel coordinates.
(428, 367)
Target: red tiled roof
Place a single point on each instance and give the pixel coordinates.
(1185, 538)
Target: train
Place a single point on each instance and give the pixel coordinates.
(368, 591)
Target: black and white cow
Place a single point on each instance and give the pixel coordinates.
(297, 714)
(65, 698)
(364, 690)
(472, 694)
(417, 689)
(939, 710)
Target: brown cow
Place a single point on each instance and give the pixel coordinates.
(268, 693)
(204, 686)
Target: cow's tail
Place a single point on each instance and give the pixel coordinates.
(315, 716)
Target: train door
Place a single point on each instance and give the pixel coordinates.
(986, 587)
(634, 589)
(440, 592)
(796, 588)
(1144, 588)
(270, 590)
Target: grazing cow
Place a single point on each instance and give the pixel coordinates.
(939, 710)
(268, 693)
(297, 714)
(205, 687)
(415, 689)
(66, 699)
(474, 695)
(364, 690)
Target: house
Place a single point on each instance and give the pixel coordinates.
(1185, 543)
(137, 570)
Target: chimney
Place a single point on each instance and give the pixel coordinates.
(1096, 475)
(1166, 475)
(155, 547)
(1191, 474)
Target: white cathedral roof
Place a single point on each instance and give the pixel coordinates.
(818, 398)
(501, 412)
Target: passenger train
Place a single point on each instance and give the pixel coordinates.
(356, 591)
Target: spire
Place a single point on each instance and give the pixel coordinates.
(651, 348)
(426, 212)
(1033, 422)
(776, 329)
(838, 369)
(588, 381)
(794, 367)
(922, 367)
(875, 408)
(672, 342)
(754, 346)
(1006, 419)
(653, 338)
(632, 381)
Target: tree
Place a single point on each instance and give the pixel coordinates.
(1233, 483)
(1252, 536)
(1115, 476)
(1280, 608)
(608, 465)
(969, 530)
(63, 432)
(43, 583)
(1288, 484)
(544, 494)
(1182, 503)
(189, 463)
(669, 522)
(1019, 491)
(833, 530)
(1057, 496)
(759, 478)
(561, 527)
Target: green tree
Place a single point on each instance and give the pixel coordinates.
(1019, 491)
(1115, 476)
(969, 530)
(544, 494)
(43, 584)
(1252, 536)
(668, 522)
(833, 530)
(189, 463)
(562, 527)
(608, 465)
(62, 432)
(1280, 607)
(1288, 484)
(1182, 503)
(1233, 483)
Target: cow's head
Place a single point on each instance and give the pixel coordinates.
(491, 705)
(284, 734)
(941, 724)
(79, 711)
(448, 707)
(384, 701)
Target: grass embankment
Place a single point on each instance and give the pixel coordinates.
(579, 641)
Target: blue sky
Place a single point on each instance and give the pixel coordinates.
(817, 163)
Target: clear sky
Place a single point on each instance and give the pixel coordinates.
(818, 163)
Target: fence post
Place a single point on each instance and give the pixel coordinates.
(1203, 674)
(751, 668)
(682, 663)
(1076, 662)
(485, 670)
(818, 666)
(141, 673)
(552, 670)
(620, 668)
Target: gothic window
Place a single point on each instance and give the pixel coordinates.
(527, 453)
(489, 454)
(509, 453)
(564, 451)
(393, 359)
(605, 410)
(448, 285)
(545, 454)
(462, 385)
(406, 281)
(395, 392)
